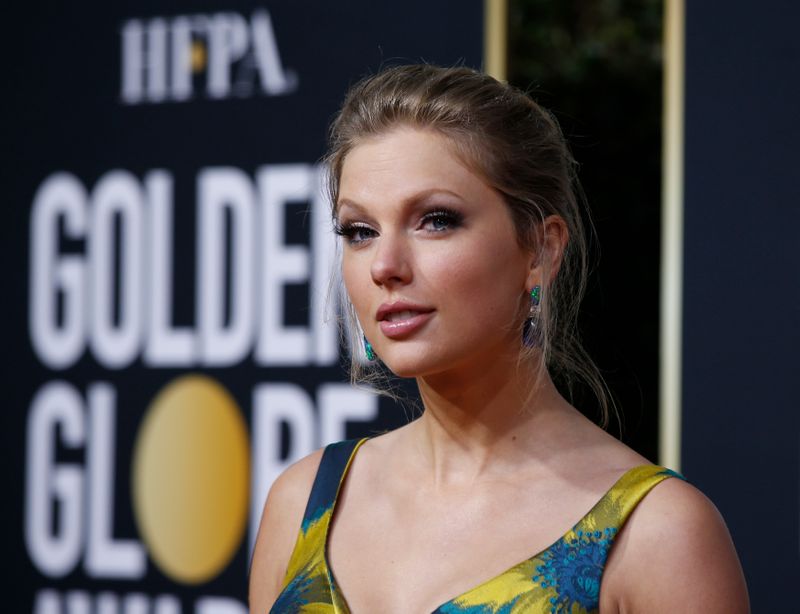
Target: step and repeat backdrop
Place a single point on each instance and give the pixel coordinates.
(172, 341)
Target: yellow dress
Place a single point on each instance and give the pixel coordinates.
(563, 578)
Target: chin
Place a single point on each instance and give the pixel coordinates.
(416, 362)
(405, 368)
(406, 361)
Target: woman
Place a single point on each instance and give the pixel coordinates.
(464, 260)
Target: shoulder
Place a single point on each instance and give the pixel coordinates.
(674, 554)
(278, 530)
(289, 492)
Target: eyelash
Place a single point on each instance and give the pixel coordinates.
(349, 230)
(453, 218)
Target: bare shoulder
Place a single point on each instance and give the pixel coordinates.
(675, 554)
(277, 533)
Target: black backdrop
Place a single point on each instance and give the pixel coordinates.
(741, 430)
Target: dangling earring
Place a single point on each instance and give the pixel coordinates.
(530, 330)
(368, 350)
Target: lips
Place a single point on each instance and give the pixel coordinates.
(396, 316)
(401, 319)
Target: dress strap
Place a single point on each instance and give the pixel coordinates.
(308, 579)
(623, 497)
(333, 467)
(572, 568)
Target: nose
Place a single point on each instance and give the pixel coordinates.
(391, 263)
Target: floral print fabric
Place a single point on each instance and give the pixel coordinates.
(564, 578)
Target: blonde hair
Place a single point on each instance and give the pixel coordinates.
(519, 150)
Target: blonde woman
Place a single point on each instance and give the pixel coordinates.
(464, 260)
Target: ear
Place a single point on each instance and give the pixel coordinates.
(549, 253)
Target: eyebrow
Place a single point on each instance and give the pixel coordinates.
(346, 202)
(411, 200)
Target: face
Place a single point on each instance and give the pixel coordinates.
(430, 257)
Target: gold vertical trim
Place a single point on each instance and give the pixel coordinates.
(495, 38)
(671, 333)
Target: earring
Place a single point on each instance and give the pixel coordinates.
(368, 350)
(530, 331)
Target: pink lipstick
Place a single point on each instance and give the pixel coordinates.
(400, 319)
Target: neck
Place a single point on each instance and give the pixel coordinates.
(488, 419)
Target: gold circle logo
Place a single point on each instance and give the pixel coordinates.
(197, 56)
(191, 479)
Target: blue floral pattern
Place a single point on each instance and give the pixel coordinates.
(574, 567)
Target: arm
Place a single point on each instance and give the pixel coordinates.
(675, 555)
(277, 533)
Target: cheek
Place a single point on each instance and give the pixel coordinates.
(479, 286)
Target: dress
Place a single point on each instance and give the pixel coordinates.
(563, 578)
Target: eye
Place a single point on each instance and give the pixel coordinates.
(355, 233)
(441, 220)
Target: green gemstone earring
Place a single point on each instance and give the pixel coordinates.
(530, 330)
(368, 350)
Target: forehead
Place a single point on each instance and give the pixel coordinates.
(399, 164)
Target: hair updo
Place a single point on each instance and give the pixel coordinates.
(519, 150)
